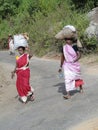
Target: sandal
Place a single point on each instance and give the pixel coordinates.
(67, 96)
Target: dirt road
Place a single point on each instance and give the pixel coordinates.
(49, 111)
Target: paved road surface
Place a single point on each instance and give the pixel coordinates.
(49, 111)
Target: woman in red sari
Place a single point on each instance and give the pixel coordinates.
(23, 75)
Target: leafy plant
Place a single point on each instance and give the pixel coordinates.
(42, 19)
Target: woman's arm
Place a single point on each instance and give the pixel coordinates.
(13, 72)
(29, 52)
(77, 52)
(62, 61)
(30, 55)
(78, 56)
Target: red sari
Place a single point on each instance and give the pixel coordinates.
(23, 76)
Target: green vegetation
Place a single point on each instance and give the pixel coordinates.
(42, 19)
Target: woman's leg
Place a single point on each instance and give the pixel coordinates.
(81, 89)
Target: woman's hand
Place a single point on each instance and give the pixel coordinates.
(27, 48)
(12, 74)
(60, 69)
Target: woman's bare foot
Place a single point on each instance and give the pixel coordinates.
(32, 97)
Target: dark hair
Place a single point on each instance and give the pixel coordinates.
(22, 47)
(75, 40)
(11, 36)
(72, 39)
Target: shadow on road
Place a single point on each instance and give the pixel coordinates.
(62, 89)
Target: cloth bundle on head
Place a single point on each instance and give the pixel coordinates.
(26, 35)
(72, 28)
(20, 40)
(68, 31)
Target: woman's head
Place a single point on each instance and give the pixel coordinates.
(21, 50)
(70, 40)
(10, 36)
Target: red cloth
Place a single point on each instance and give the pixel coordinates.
(78, 82)
(23, 76)
(22, 60)
(22, 82)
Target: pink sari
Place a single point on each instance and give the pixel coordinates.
(72, 71)
(23, 76)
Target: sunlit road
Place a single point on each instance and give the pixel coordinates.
(49, 111)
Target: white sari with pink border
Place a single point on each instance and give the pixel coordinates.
(71, 69)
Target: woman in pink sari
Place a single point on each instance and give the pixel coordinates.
(69, 62)
(23, 75)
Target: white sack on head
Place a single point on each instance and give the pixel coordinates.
(60, 35)
(19, 40)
